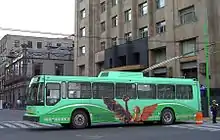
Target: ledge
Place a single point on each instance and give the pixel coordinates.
(128, 67)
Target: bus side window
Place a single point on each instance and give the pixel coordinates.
(101, 90)
(63, 90)
(166, 91)
(146, 91)
(126, 89)
(184, 92)
(79, 90)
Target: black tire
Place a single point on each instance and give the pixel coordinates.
(167, 117)
(79, 119)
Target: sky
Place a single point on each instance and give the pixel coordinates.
(55, 16)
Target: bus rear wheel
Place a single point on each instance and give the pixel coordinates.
(79, 119)
(167, 117)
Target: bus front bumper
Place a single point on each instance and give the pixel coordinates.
(31, 118)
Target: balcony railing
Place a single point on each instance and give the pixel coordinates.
(14, 79)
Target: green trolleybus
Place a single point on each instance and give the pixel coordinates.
(111, 97)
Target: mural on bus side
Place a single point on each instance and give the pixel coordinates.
(124, 115)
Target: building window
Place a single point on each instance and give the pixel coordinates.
(143, 9)
(114, 2)
(102, 44)
(110, 63)
(128, 36)
(103, 26)
(82, 50)
(190, 73)
(59, 69)
(102, 6)
(128, 15)
(37, 69)
(122, 60)
(58, 44)
(83, 14)
(160, 4)
(187, 15)
(114, 41)
(83, 32)
(39, 45)
(99, 67)
(143, 32)
(188, 47)
(161, 27)
(17, 43)
(160, 55)
(82, 70)
(136, 57)
(49, 44)
(29, 44)
(115, 21)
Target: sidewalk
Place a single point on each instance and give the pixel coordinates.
(209, 119)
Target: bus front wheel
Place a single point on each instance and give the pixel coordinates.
(167, 117)
(79, 119)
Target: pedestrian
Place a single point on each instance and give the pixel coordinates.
(214, 109)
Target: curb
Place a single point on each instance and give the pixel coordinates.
(210, 119)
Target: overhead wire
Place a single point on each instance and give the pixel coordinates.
(34, 32)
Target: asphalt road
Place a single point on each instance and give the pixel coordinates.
(11, 115)
(109, 133)
(13, 128)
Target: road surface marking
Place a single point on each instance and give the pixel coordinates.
(20, 125)
(203, 127)
(206, 127)
(1, 126)
(31, 124)
(9, 125)
(25, 124)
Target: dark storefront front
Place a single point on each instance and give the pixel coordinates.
(131, 56)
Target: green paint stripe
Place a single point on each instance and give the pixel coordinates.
(78, 105)
(176, 104)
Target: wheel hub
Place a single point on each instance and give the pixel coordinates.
(79, 119)
(167, 117)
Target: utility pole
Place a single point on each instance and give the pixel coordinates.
(24, 50)
(206, 38)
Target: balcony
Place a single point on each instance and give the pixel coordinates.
(15, 79)
(132, 55)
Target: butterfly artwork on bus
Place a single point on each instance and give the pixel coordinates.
(123, 114)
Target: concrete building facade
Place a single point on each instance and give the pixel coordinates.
(25, 56)
(173, 27)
